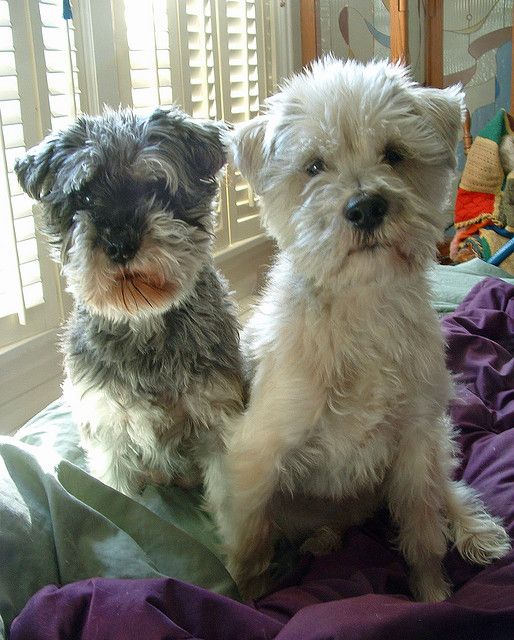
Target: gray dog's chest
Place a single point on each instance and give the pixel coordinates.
(162, 357)
(161, 366)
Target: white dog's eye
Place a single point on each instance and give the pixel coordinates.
(393, 155)
(315, 167)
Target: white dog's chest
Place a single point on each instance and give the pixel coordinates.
(367, 364)
(345, 455)
(352, 445)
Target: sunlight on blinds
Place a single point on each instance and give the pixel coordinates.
(247, 82)
(242, 59)
(200, 43)
(60, 55)
(149, 54)
(20, 278)
(197, 23)
(55, 66)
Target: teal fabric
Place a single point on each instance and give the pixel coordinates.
(450, 284)
(59, 525)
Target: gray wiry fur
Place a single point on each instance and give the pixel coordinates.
(152, 347)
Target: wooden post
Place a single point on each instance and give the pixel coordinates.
(467, 139)
(399, 17)
(308, 28)
(512, 66)
(434, 75)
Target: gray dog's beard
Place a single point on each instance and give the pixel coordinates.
(164, 354)
(162, 274)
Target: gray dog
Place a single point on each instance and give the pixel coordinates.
(151, 348)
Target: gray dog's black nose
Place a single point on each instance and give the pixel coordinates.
(121, 250)
(366, 211)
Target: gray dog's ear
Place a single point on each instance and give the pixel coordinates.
(445, 110)
(34, 169)
(207, 146)
(247, 150)
(63, 156)
(201, 141)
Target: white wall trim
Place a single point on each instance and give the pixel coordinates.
(245, 265)
(287, 42)
(30, 378)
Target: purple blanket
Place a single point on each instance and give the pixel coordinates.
(361, 590)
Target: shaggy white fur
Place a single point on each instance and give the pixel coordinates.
(348, 405)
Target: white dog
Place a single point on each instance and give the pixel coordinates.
(348, 406)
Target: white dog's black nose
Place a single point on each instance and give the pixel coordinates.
(366, 211)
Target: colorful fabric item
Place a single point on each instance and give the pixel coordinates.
(467, 205)
(479, 202)
(489, 244)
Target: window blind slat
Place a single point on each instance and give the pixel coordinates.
(11, 257)
(247, 83)
(54, 65)
(59, 51)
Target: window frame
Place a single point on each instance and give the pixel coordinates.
(99, 84)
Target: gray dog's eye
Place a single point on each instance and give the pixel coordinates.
(316, 167)
(84, 200)
(393, 156)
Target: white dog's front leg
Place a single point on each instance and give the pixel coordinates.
(416, 498)
(284, 406)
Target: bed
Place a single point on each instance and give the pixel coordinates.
(80, 560)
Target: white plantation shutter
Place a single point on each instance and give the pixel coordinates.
(20, 277)
(245, 85)
(39, 92)
(212, 58)
(60, 60)
(144, 54)
(201, 80)
(200, 73)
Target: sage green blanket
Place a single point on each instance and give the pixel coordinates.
(450, 284)
(59, 525)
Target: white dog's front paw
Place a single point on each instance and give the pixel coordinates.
(252, 587)
(484, 542)
(249, 568)
(322, 541)
(429, 585)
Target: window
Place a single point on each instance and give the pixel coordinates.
(215, 58)
(29, 284)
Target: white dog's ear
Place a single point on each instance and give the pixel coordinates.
(445, 110)
(247, 149)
